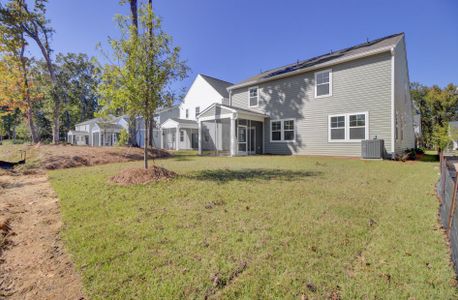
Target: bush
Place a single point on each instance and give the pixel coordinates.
(123, 138)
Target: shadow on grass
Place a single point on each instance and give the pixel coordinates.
(226, 175)
(429, 157)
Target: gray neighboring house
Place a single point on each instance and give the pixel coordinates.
(98, 131)
(325, 105)
(160, 117)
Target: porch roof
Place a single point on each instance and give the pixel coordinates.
(76, 132)
(182, 123)
(220, 111)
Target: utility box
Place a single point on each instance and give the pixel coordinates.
(372, 149)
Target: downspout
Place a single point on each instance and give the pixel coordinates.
(393, 114)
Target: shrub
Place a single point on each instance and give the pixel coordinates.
(123, 138)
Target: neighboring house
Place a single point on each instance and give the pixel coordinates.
(325, 105)
(181, 132)
(160, 117)
(98, 131)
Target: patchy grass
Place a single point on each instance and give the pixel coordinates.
(260, 227)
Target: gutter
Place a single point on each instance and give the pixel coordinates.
(320, 66)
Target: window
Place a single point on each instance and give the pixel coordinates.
(276, 130)
(197, 111)
(350, 127)
(338, 128)
(323, 84)
(288, 130)
(282, 130)
(253, 97)
(181, 135)
(358, 127)
(187, 113)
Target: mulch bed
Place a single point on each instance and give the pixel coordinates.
(142, 176)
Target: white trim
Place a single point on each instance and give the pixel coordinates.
(246, 140)
(257, 96)
(393, 116)
(214, 105)
(218, 117)
(330, 84)
(282, 131)
(317, 67)
(347, 127)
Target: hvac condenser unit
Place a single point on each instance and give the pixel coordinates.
(372, 149)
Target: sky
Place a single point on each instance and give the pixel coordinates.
(235, 39)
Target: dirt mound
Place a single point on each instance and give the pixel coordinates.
(89, 156)
(142, 176)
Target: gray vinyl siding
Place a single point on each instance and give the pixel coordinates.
(168, 114)
(362, 85)
(403, 102)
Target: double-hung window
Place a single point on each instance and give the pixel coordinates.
(197, 111)
(181, 135)
(282, 130)
(351, 127)
(253, 97)
(187, 113)
(323, 84)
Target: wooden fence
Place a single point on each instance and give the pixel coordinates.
(447, 189)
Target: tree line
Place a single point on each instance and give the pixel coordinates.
(437, 107)
(41, 98)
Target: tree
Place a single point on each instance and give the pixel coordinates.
(133, 4)
(16, 16)
(149, 63)
(438, 106)
(17, 88)
(77, 81)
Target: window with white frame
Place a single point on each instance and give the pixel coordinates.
(352, 127)
(276, 130)
(337, 128)
(187, 113)
(357, 127)
(197, 110)
(253, 97)
(282, 130)
(323, 83)
(181, 135)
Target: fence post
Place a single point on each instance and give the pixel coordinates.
(443, 169)
(452, 205)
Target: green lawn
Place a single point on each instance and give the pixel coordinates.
(259, 228)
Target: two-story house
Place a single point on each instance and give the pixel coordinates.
(181, 132)
(325, 105)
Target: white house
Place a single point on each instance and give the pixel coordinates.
(182, 132)
(98, 131)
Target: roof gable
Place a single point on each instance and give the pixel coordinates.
(218, 85)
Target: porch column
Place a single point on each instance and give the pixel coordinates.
(177, 137)
(233, 136)
(199, 137)
(161, 136)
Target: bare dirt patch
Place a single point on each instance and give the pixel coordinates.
(142, 176)
(33, 262)
(52, 157)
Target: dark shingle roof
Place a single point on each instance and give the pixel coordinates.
(390, 40)
(219, 85)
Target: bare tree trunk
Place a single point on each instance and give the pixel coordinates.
(145, 144)
(132, 117)
(28, 101)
